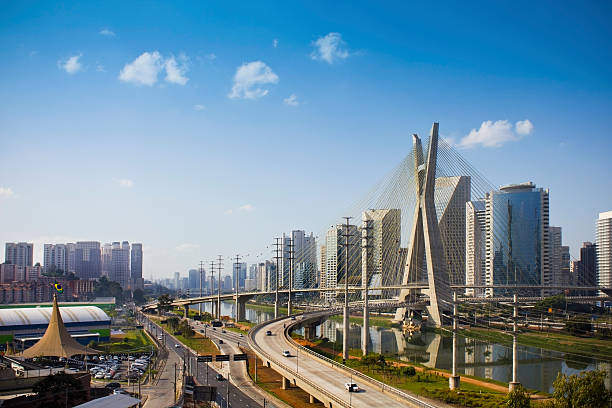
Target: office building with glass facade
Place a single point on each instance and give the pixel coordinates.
(517, 239)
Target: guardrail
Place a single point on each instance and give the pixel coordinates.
(383, 387)
(260, 351)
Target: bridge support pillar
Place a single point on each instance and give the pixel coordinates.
(310, 332)
(313, 400)
(515, 383)
(186, 311)
(365, 333)
(285, 383)
(345, 333)
(454, 381)
(241, 312)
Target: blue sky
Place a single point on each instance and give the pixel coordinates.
(209, 128)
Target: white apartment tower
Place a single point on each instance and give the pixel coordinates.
(20, 253)
(475, 246)
(335, 257)
(55, 255)
(604, 249)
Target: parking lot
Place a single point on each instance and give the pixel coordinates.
(119, 367)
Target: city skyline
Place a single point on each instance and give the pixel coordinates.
(188, 155)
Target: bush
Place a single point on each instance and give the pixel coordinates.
(408, 371)
(584, 390)
(518, 398)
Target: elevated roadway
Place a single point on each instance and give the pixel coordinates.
(324, 381)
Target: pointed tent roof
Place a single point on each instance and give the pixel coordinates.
(56, 341)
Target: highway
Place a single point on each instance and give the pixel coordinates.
(237, 397)
(319, 372)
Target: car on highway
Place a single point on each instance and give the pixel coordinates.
(286, 353)
(160, 337)
(268, 333)
(241, 335)
(220, 341)
(292, 317)
(177, 346)
(223, 331)
(351, 387)
(219, 377)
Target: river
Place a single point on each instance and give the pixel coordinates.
(538, 368)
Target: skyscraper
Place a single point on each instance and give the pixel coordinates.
(604, 249)
(381, 258)
(517, 238)
(559, 260)
(305, 260)
(335, 268)
(120, 263)
(88, 264)
(194, 279)
(475, 246)
(584, 270)
(322, 269)
(107, 260)
(451, 194)
(177, 280)
(137, 281)
(21, 253)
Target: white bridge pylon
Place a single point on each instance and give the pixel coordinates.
(425, 248)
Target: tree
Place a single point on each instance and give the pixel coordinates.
(164, 302)
(54, 272)
(185, 329)
(577, 325)
(517, 398)
(584, 390)
(139, 298)
(173, 323)
(105, 288)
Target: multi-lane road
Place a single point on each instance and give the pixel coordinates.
(242, 392)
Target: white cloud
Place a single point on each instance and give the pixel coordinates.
(211, 56)
(126, 183)
(495, 134)
(524, 127)
(199, 107)
(106, 32)
(246, 208)
(100, 68)
(330, 48)
(71, 65)
(275, 43)
(291, 100)
(175, 73)
(186, 247)
(6, 193)
(249, 77)
(143, 70)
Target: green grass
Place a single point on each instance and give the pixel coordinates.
(236, 330)
(201, 344)
(136, 341)
(270, 308)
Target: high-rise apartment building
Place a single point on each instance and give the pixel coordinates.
(177, 280)
(71, 255)
(604, 249)
(335, 242)
(120, 263)
(584, 271)
(517, 248)
(559, 260)
(451, 194)
(305, 260)
(107, 260)
(55, 256)
(381, 257)
(475, 246)
(241, 268)
(87, 260)
(20, 253)
(322, 268)
(137, 282)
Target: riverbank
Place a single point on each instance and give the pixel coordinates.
(380, 321)
(580, 347)
(270, 308)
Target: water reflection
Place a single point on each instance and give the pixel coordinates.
(538, 368)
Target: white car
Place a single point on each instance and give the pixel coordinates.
(286, 353)
(177, 346)
(99, 375)
(351, 387)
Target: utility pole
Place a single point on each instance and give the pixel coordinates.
(453, 380)
(228, 385)
(237, 283)
(212, 287)
(219, 266)
(174, 399)
(201, 271)
(515, 382)
(291, 257)
(345, 329)
(365, 278)
(277, 257)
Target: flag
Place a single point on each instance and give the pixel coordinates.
(58, 288)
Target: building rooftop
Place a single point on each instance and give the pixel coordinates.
(42, 315)
(114, 401)
(528, 186)
(605, 215)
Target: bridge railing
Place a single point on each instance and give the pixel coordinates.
(384, 388)
(251, 337)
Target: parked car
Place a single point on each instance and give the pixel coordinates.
(99, 375)
(108, 376)
(112, 385)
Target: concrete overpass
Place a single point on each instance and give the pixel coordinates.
(321, 378)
